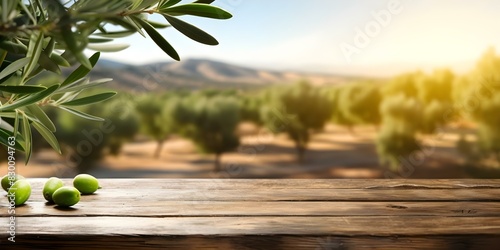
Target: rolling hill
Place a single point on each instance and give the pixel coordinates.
(200, 73)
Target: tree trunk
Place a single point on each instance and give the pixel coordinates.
(159, 148)
(217, 163)
(301, 151)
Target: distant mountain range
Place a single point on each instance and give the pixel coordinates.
(200, 73)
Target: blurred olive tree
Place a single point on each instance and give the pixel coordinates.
(298, 111)
(85, 142)
(413, 104)
(401, 122)
(482, 104)
(210, 121)
(338, 113)
(435, 92)
(251, 105)
(157, 121)
(357, 104)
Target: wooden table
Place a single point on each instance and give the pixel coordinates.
(264, 214)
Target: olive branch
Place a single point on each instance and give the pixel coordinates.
(38, 36)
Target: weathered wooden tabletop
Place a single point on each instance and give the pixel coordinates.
(264, 214)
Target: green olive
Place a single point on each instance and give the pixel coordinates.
(9, 179)
(20, 192)
(50, 187)
(85, 183)
(66, 196)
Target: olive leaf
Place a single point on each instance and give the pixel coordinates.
(82, 114)
(157, 38)
(47, 135)
(15, 66)
(158, 25)
(90, 99)
(59, 60)
(47, 63)
(34, 50)
(167, 3)
(108, 47)
(27, 137)
(115, 34)
(29, 99)
(198, 9)
(16, 124)
(4, 135)
(81, 71)
(84, 85)
(205, 1)
(38, 113)
(191, 31)
(25, 89)
(99, 40)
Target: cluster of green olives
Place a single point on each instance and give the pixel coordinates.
(19, 189)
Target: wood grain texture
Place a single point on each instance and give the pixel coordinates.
(248, 184)
(264, 214)
(165, 195)
(152, 208)
(270, 225)
(251, 242)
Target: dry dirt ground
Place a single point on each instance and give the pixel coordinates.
(333, 153)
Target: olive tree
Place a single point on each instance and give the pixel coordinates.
(124, 122)
(410, 106)
(85, 142)
(339, 115)
(357, 104)
(406, 84)
(436, 87)
(298, 111)
(251, 105)
(210, 122)
(397, 137)
(150, 109)
(484, 93)
(44, 35)
(434, 115)
(435, 92)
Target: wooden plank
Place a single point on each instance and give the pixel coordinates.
(139, 195)
(480, 242)
(256, 208)
(124, 191)
(292, 194)
(250, 184)
(327, 225)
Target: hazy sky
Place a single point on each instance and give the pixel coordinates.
(311, 35)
